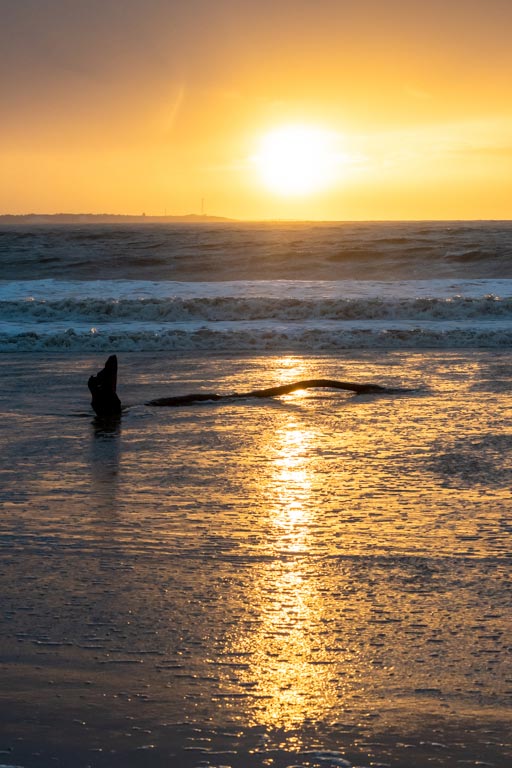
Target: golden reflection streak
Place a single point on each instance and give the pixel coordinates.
(290, 485)
(290, 673)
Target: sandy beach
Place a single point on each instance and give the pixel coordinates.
(320, 580)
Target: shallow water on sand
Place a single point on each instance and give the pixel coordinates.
(321, 579)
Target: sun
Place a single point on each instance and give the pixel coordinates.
(298, 159)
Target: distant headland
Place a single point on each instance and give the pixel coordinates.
(106, 218)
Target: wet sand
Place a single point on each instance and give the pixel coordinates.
(317, 581)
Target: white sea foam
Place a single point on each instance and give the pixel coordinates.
(281, 314)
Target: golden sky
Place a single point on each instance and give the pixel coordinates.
(124, 106)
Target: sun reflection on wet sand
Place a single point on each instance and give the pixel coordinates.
(289, 672)
(290, 482)
(247, 581)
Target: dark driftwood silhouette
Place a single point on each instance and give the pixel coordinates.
(284, 389)
(105, 401)
(107, 404)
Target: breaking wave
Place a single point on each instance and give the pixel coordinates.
(264, 339)
(253, 315)
(233, 308)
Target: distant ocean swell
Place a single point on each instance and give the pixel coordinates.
(258, 251)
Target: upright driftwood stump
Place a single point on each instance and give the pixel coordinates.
(103, 386)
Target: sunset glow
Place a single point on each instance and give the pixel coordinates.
(156, 110)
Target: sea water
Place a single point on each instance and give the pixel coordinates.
(317, 580)
(268, 287)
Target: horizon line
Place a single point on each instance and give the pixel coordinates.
(211, 218)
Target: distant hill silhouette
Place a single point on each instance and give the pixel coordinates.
(104, 218)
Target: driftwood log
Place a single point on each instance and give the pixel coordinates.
(107, 404)
(284, 389)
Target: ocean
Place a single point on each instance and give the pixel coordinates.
(310, 581)
(255, 287)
